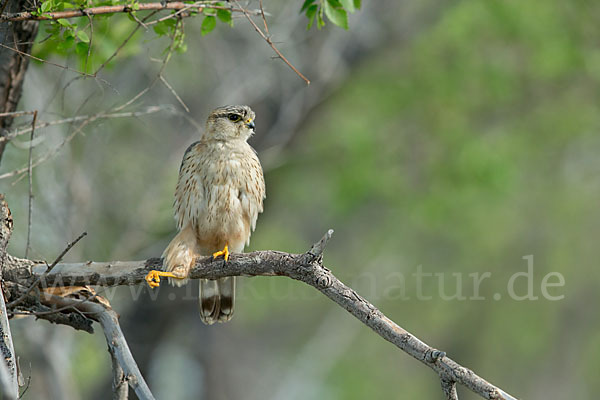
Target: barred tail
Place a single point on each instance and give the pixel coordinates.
(217, 298)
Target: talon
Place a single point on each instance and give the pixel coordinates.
(153, 277)
(224, 253)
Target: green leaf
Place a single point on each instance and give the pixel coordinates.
(311, 12)
(225, 16)
(161, 28)
(337, 15)
(348, 5)
(63, 22)
(68, 5)
(208, 24)
(81, 49)
(209, 11)
(69, 42)
(182, 48)
(68, 34)
(320, 22)
(46, 6)
(306, 4)
(357, 4)
(83, 36)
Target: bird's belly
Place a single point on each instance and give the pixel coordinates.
(222, 220)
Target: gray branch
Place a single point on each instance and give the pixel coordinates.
(306, 267)
(119, 381)
(20, 274)
(9, 387)
(117, 345)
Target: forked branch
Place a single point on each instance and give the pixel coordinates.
(306, 267)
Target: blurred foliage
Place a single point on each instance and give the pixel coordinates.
(470, 148)
(96, 38)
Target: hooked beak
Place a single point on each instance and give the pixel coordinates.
(250, 124)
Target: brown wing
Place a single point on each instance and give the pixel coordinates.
(251, 189)
(189, 193)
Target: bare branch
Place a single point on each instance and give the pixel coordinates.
(134, 114)
(119, 383)
(117, 345)
(9, 386)
(306, 267)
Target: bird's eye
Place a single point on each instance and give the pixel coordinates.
(234, 117)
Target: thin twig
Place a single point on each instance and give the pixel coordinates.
(89, 52)
(174, 93)
(270, 42)
(262, 14)
(49, 62)
(30, 174)
(139, 21)
(134, 114)
(15, 113)
(38, 280)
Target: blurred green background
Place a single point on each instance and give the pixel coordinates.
(452, 138)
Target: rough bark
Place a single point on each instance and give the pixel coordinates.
(13, 66)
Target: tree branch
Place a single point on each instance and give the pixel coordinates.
(20, 274)
(119, 381)
(306, 267)
(117, 345)
(9, 387)
(126, 8)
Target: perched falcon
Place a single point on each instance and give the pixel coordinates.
(219, 195)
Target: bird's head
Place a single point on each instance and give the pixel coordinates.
(230, 122)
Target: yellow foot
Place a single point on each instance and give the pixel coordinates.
(224, 253)
(153, 277)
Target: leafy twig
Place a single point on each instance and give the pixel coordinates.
(176, 5)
